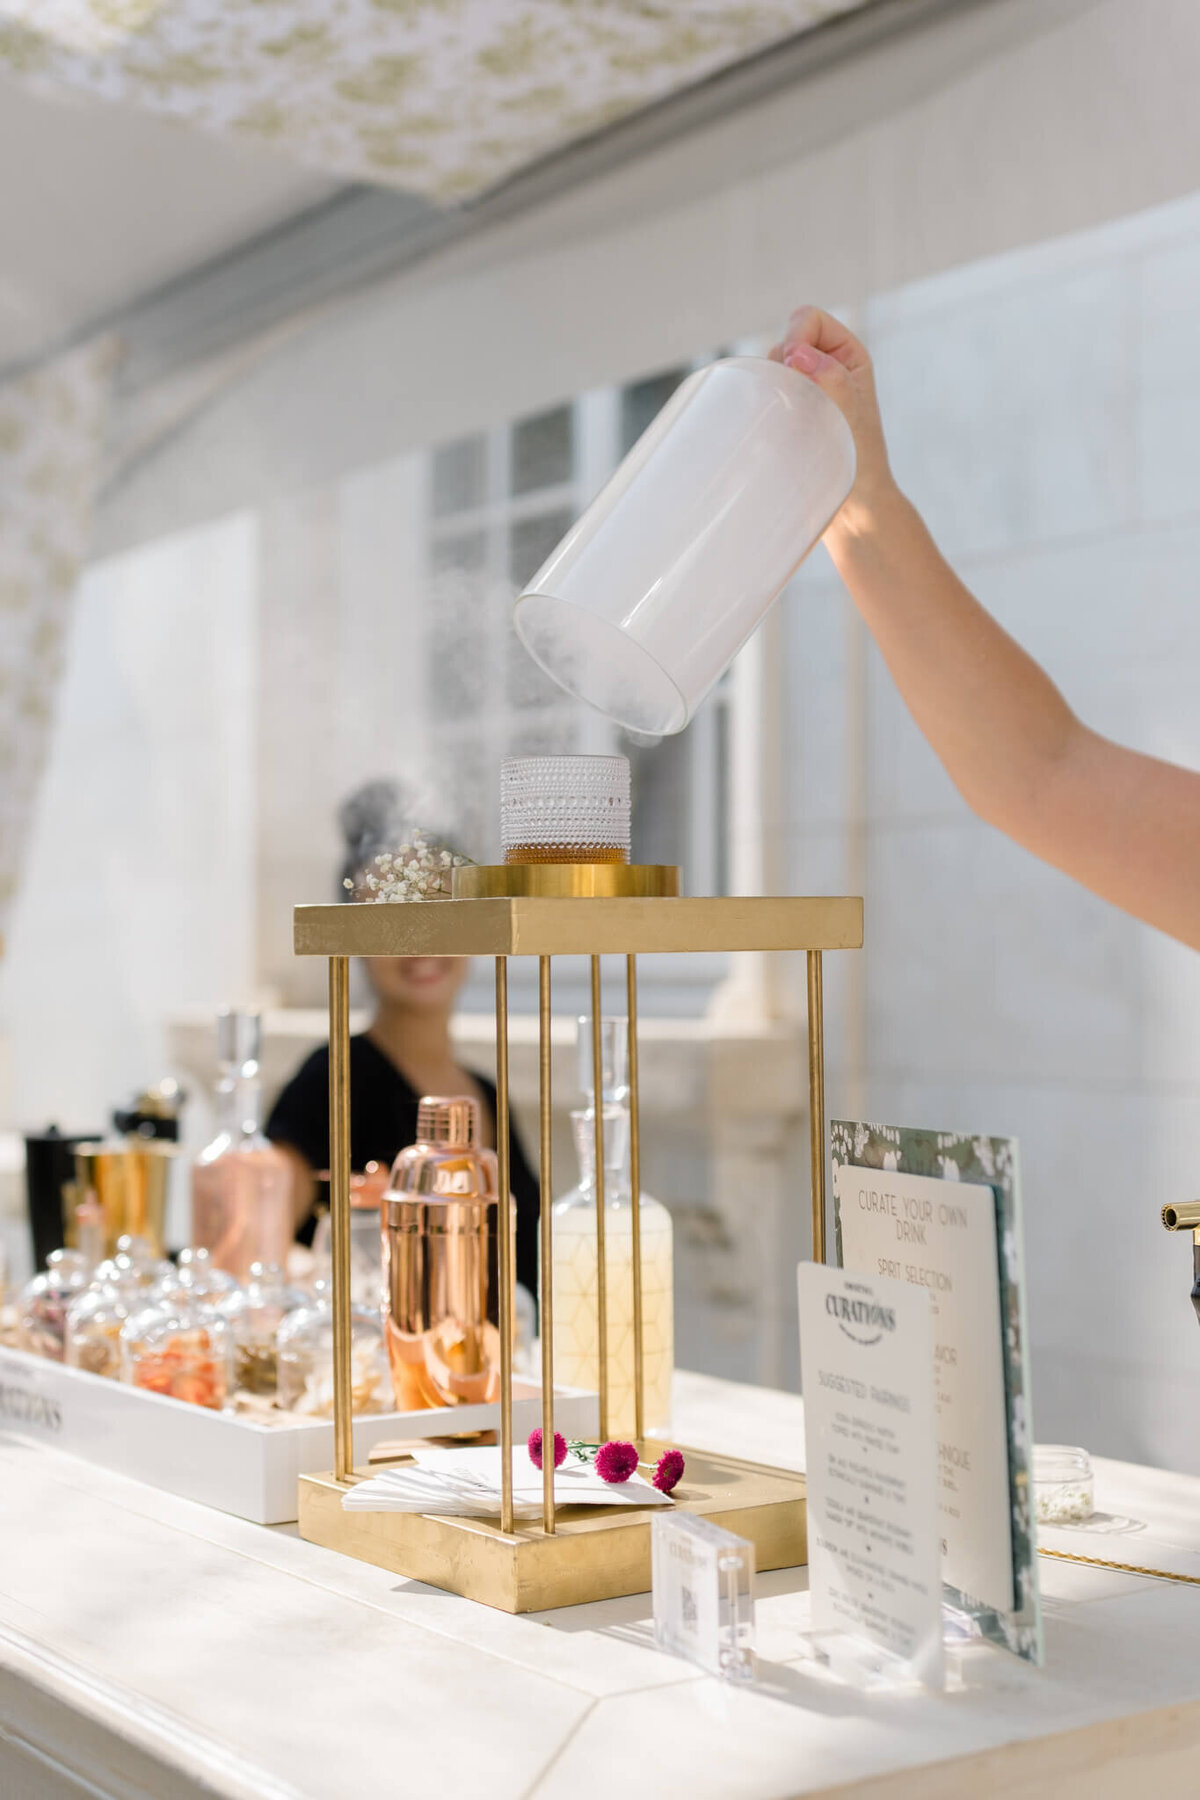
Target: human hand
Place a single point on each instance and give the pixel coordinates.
(820, 346)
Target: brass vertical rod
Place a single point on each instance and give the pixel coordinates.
(504, 1229)
(816, 1101)
(635, 1196)
(601, 1251)
(545, 1122)
(339, 1212)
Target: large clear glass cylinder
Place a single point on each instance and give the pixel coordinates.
(649, 597)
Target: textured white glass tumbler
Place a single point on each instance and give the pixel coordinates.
(563, 809)
(649, 597)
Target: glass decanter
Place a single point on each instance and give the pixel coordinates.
(575, 1263)
(304, 1359)
(241, 1184)
(256, 1312)
(182, 1348)
(42, 1308)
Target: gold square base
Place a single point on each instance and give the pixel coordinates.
(594, 1554)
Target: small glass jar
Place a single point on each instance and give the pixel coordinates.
(94, 1324)
(136, 1275)
(42, 1310)
(1064, 1488)
(255, 1313)
(183, 1349)
(304, 1350)
(137, 1252)
(197, 1273)
(366, 1239)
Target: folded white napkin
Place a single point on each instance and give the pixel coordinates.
(466, 1483)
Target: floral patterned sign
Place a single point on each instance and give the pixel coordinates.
(51, 443)
(985, 1162)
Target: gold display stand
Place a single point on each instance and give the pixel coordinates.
(570, 1554)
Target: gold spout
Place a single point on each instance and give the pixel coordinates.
(1184, 1217)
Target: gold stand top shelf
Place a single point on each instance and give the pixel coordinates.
(525, 926)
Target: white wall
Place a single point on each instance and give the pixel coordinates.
(1044, 412)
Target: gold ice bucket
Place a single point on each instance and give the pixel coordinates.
(130, 1182)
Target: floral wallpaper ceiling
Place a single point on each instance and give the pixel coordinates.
(442, 97)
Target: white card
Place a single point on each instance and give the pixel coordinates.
(940, 1236)
(866, 1353)
(576, 1483)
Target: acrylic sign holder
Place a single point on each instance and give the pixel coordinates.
(572, 1554)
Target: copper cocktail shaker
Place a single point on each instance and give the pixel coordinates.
(441, 1294)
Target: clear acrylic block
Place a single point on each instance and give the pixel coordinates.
(703, 1581)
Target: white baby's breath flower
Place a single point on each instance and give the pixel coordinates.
(414, 871)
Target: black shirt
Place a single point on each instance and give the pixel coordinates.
(383, 1119)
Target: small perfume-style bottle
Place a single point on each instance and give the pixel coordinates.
(182, 1348)
(195, 1272)
(96, 1318)
(241, 1184)
(366, 1248)
(441, 1293)
(42, 1309)
(576, 1336)
(304, 1359)
(256, 1312)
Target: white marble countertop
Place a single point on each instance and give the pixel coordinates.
(151, 1647)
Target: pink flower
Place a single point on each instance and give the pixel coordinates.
(616, 1461)
(535, 1448)
(668, 1471)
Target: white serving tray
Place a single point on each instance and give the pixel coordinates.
(221, 1460)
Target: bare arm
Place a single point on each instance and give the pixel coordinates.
(1124, 825)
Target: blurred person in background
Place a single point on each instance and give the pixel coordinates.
(406, 1051)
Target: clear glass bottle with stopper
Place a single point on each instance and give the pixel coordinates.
(575, 1262)
(241, 1184)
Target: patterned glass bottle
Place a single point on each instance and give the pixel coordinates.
(575, 1326)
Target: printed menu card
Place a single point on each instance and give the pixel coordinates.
(939, 1212)
(866, 1356)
